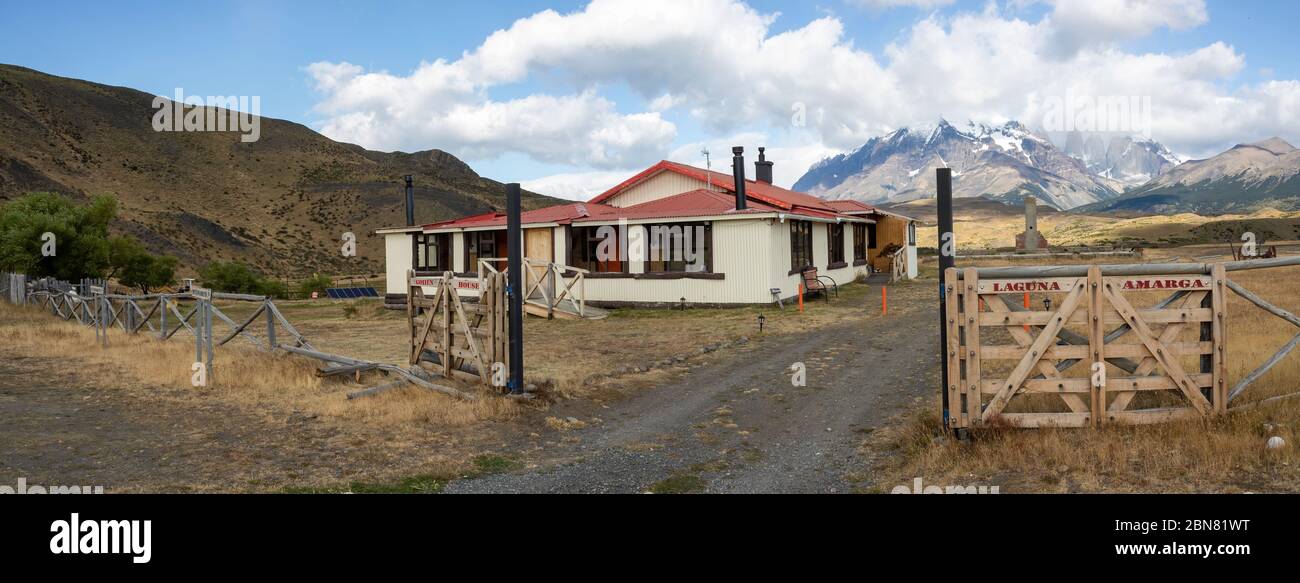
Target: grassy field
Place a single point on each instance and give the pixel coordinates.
(1226, 454)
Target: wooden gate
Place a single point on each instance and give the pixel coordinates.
(457, 338)
(1097, 351)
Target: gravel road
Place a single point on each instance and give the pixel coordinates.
(738, 425)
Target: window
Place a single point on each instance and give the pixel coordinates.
(835, 242)
(679, 248)
(597, 249)
(871, 236)
(860, 242)
(432, 252)
(484, 245)
(911, 233)
(800, 245)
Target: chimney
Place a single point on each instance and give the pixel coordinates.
(410, 201)
(762, 168)
(738, 174)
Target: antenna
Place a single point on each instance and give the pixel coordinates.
(707, 166)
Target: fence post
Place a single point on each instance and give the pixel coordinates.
(207, 332)
(270, 324)
(1096, 345)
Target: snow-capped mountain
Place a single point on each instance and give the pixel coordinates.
(1245, 178)
(1005, 162)
(1131, 160)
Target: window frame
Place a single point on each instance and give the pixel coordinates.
(801, 245)
(664, 266)
(860, 241)
(834, 244)
(582, 243)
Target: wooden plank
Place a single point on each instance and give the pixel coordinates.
(1170, 364)
(1031, 420)
(1148, 416)
(1151, 316)
(1021, 286)
(957, 416)
(1073, 352)
(970, 319)
(1096, 343)
(1080, 385)
(1035, 352)
(1219, 329)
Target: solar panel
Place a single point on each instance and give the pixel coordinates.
(370, 292)
(332, 293)
(350, 292)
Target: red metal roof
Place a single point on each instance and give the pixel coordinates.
(773, 195)
(560, 213)
(850, 206)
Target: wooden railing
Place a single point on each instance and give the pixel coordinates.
(547, 284)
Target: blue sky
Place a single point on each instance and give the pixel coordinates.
(266, 49)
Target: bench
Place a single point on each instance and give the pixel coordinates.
(813, 282)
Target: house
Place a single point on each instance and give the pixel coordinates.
(669, 234)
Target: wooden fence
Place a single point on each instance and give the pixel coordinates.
(456, 338)
(163, 316)
(1098, 350)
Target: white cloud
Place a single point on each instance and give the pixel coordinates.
(578, 185)
(718, 62)
(885, 4)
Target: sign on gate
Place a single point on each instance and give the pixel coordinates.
(201, 293)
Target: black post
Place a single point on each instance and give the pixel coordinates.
(947, 258)
(738, 176)
(410, 201)
(514, 285)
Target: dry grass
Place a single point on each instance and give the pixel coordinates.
(1214, 455)
(1061, 229)
(273, 383)
(574, 356)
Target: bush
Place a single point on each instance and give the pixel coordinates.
(315, 283)
(235, 277)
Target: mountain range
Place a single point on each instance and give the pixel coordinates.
(1246, 178)
(1006, 163)
(281, 203)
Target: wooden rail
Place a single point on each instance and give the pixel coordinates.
(455, 338)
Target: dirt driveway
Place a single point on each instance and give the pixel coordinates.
(738, 424)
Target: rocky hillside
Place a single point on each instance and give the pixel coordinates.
(1244, 179)
(281, 203)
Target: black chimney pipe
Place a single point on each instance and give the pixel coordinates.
(762, 168)
(738, 174)
(410, 201)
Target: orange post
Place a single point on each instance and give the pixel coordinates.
(884, 301)
(1026, 305)
(801, 298)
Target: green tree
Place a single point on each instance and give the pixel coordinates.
(236, 277)
(80, 236)
(136, 267)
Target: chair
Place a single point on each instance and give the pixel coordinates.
(813, 282)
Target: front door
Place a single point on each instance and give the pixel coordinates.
(539, 245)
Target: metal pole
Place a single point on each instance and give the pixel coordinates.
(514, 285)
(207, 332)
(947, 258)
